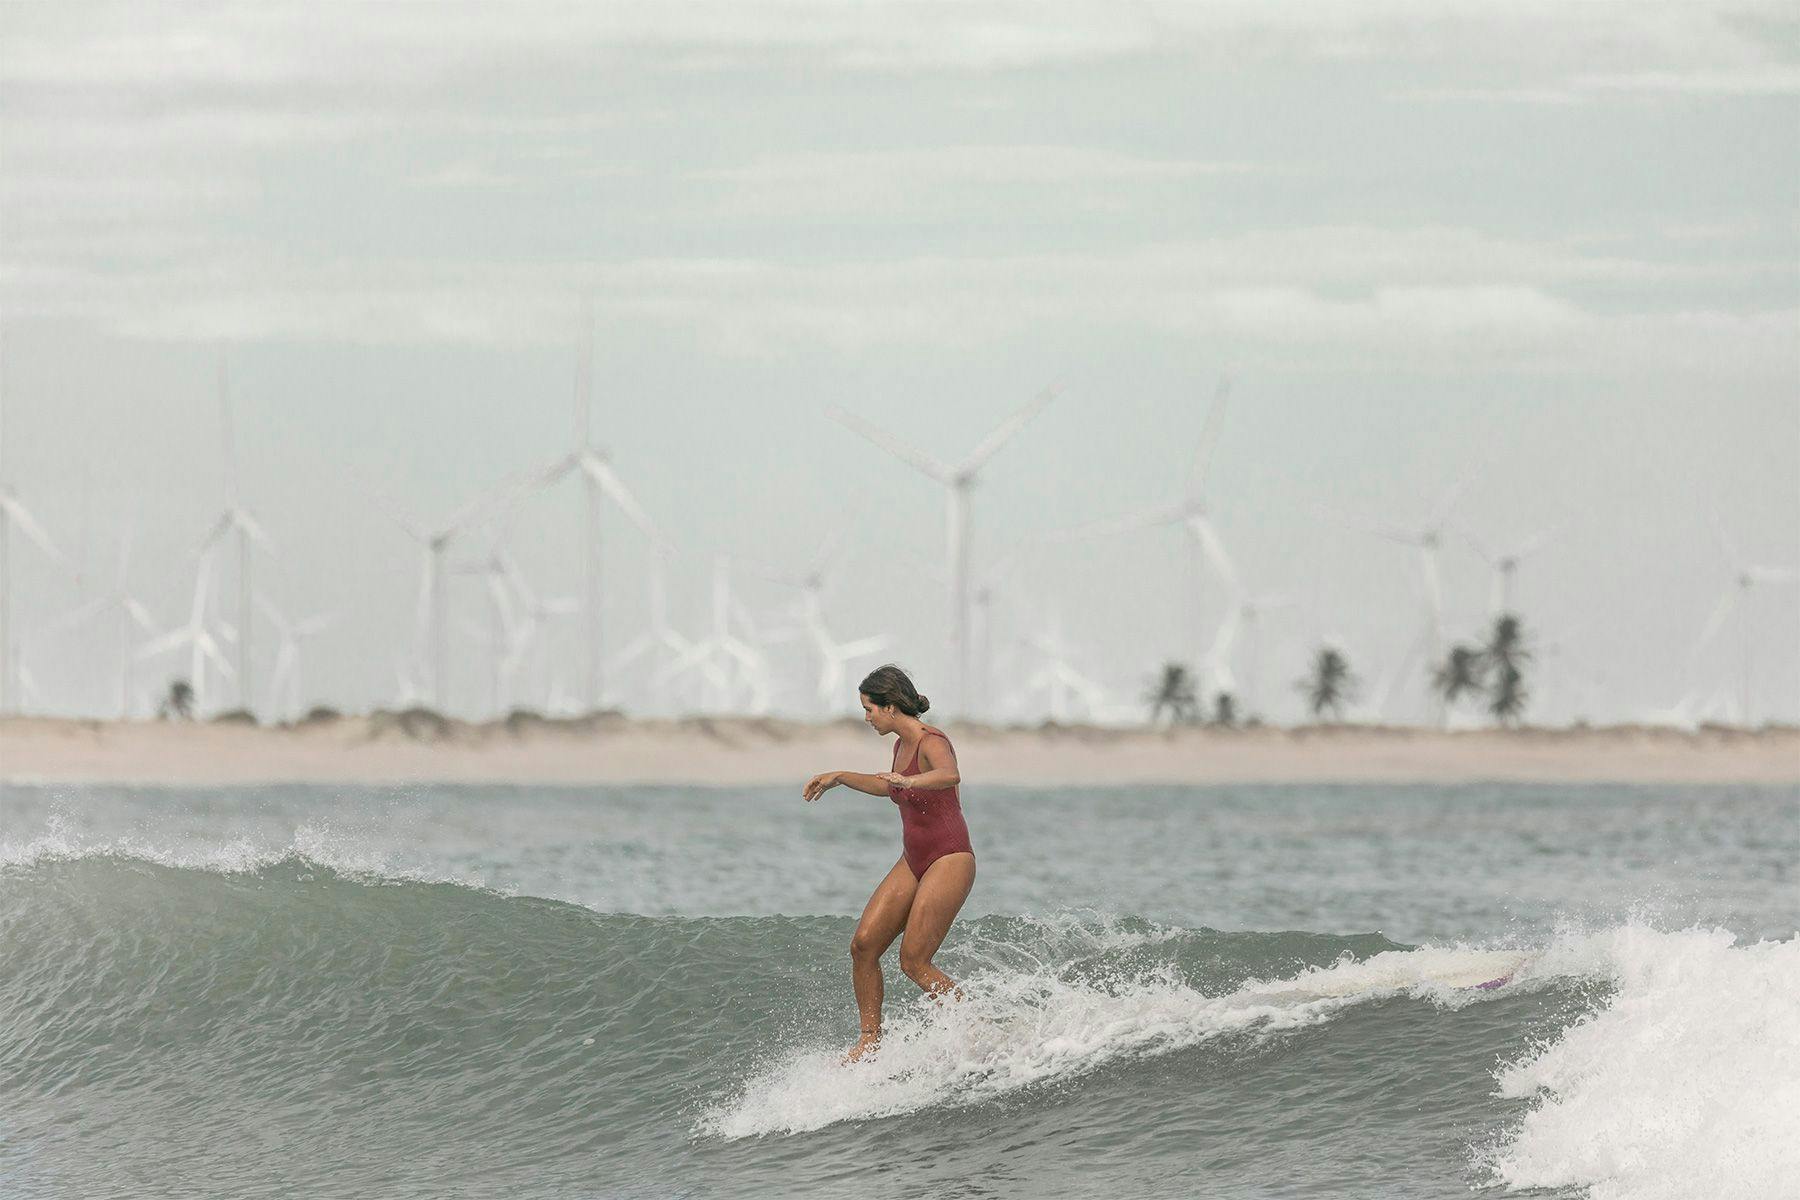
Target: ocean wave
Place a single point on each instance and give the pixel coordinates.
(345, 852)
(1685, 1083)
(278, 970)
(1020, 1030)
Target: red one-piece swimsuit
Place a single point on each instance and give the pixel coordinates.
(931, 819)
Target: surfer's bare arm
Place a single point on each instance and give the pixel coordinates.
(818, 785)
(875, 785)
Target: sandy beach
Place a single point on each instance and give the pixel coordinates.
(612, 749)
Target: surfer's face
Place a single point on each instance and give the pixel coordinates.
(875, 716)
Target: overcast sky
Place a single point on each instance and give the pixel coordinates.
(1546, 250)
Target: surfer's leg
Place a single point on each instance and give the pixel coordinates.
(882, 920)
(940, 897)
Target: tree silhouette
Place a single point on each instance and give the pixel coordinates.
(1506, 656)
(1331, 684)
(179, 703)
(1459, 674)
(1224, 710)
(1173, 690)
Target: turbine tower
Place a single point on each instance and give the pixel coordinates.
(284, 681)
(236, 519)
(958, 481)
(1427, 540)
(433, 608)
(14, 514)
(598, 478)
(125, 608)
(1245, 617)
(1746, 577)
(204, 648)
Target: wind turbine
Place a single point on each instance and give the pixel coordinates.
(722, 649)
(1063, 684)
(237, 520)
(834, 656)
(1244, 617)
(500, 637)
(293, 637)
(433, 609)
(1427, 540)
(1191, 512)
(594, 466)
(1746, 576)
(14, 514)
(125, 607)
(958, 481)
(533, 614)
(660, 637)
(203, 648)
(1505, 564)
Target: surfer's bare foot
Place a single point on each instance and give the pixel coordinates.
(866, 1044)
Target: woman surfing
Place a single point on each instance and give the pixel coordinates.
(928, 884)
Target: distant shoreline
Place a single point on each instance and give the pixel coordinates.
(614, 749)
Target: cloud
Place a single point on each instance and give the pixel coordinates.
(1327, 299)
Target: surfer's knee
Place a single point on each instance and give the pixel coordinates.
(913, 964)
(862, 946)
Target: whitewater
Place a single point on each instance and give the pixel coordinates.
(644, 992)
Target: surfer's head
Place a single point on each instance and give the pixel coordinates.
(886, 692)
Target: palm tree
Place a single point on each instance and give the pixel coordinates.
(1458, 674)
(179, 703)
(1174, 690)
(1224, 710)
(1331, 685)
(1506, 655)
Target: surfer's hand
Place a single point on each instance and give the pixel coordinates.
(817, 785)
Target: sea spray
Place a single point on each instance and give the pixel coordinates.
(1027, 1029)
(1685, 1083)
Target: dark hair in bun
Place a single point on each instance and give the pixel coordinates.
(888, 684)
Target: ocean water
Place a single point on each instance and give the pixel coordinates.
(642, 992)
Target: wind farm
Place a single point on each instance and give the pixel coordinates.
(751, 644)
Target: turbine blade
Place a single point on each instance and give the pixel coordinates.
(139, 614)
(1536, 542)
(274, 614)
(615, 489)
(1209, 438)
(1004, 431)
(28, 525)
(1162, 514)
(1215, 551)
(860, 648)
(163, 644)
(1716, 621)
(1392, 533)
(315, 625)
(1451, 495)
(906, 454)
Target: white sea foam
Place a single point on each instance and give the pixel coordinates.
(1024, 1029)
(344, 852)
(1685, 1084)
